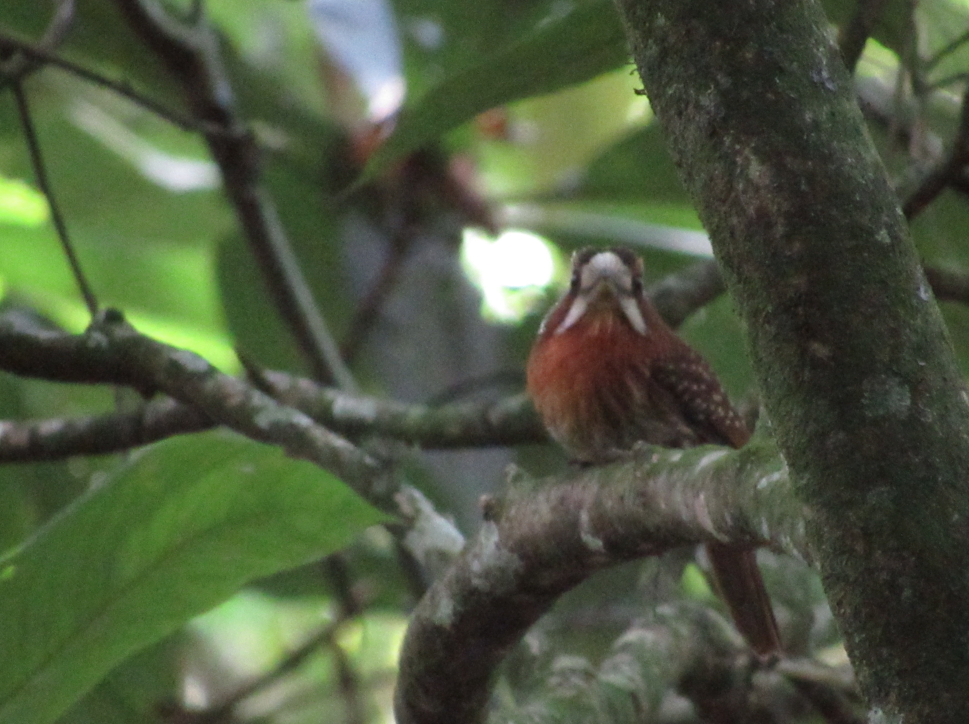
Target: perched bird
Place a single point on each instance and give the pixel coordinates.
(607, 372)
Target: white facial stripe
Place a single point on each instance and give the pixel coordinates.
(631, 309)
(578, 308)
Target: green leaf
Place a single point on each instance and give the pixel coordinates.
(892, 28)
(638, 168)
(568, 49)
(177, 530)
(134, 692)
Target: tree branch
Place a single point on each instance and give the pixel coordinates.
(680, 295)
(688, 648)
(112, 352)
(949, 171)
(13, 69)
(56, 439)
(15, 66)
(41, 57)
(509, 421)
(31, 350)
(542, 538)
(851, 355)
(191, 54)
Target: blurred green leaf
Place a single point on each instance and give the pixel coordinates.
(132, 693)
(174, 532)
(563, 50)
(892, 28)
(638, 168)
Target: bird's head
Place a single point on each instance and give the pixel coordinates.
(606, 288)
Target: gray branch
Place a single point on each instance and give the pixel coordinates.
(509, 421)
(689, 649)
(541, 538)
(57, 439)
(30, 349)
(111, 351)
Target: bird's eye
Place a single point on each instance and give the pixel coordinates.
(576, 280)
(637, 285)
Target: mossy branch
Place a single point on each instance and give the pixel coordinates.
(853, 361)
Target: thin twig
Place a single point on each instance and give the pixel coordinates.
(947, 50)
(40, 174)
(368, 313)
(945, 173)
(191, 55)
(948, 80)
(19, 66)
(351, 604)
(292, 661)
(337, 573)
(349, 685)
(122, 88)
(57, 439)
(14, 69)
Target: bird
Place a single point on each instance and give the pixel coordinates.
(606, 373)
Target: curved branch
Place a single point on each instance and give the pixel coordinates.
(542, 538)
(680, 295)
(947, 172)
(31, 350)
(14, 67)
(510, 421)
(39, 56)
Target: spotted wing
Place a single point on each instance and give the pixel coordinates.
(696, 393)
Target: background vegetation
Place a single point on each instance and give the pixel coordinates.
(213, 578)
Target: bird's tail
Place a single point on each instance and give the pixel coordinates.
(739, 582)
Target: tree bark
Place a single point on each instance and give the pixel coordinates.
(543, 537)
(849, 348)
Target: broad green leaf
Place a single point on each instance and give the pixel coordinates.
(178, 529)
(131, 694)
(638, 168)
(568, 49)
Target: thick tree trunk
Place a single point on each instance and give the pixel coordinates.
(849, 348)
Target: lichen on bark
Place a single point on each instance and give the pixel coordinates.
(849, 349)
